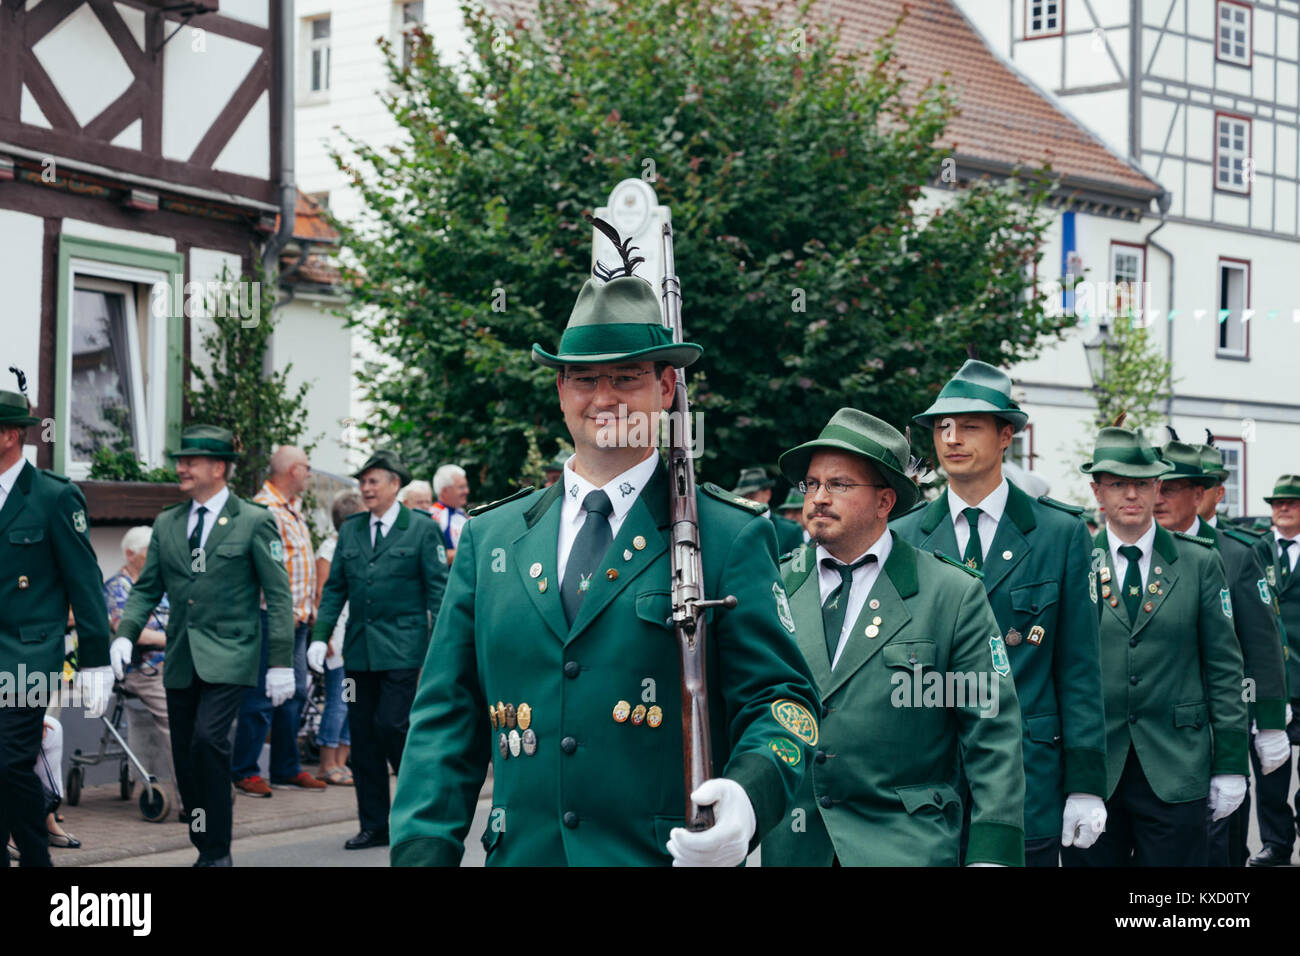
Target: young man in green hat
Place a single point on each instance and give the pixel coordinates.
(390, 569)
(211, 555)
(46, 566)
(1034, 554)
(755, 485)
(554, 654)
(1278, 551)
(1254, 620)
(911, 668)
(1176, 725)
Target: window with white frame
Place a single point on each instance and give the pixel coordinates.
(1126, 279)
(1234, 299)
(1042, 18)
(1234, 462)
(411, 15)
(1233, 39)
(318, 55)
(1021, 450)
(1232, 153)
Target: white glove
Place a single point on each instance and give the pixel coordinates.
(1227, 791)
(1083, 821)
(119, 655)
(94, 686)
(279, 684)
(316, 655)
(726, 843)
(1273, 747)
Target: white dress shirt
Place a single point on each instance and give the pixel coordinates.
(1292, 552)
(214, 506)
(864, 579)
(1146, 543)
(8, 478)
(386, 519)
(623, 490)
(991, 508)
(1214, 521)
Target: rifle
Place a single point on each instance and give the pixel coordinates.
(688, 601)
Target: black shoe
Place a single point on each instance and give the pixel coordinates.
(1271, 856)
(367, 838)
(215, 861)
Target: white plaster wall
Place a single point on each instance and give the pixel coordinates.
(22, 241)
(319, 346)
(200, 72)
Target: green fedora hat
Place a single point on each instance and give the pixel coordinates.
(793, 501)
(15, 410)
(1286, 488)
(860, 434)
(1188, 462)
(617, 321)
(207, 441)
(1212, 463)
(753, 478)
(1124, 452)
(387, 459)
(977, 389)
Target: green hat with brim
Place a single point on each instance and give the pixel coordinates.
(15, 410)
(858, 433)
(1212, 463)
(1123, 452)
(752, 479)
(793, 501)
(206, 441)
(617, 321)
(557, 463)
(1188, 462)
(387, 460)
(977, 389)
(1287, 488)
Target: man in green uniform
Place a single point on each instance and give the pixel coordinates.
(390, 569)
(1278, 550)
(792, 510)
(554, 652)
(211, 555)
(1178, 500)
(755, 485)
(912, 670)
(1035, 557)
(46, 566)
(1176, 726)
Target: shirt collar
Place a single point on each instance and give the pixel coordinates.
(1195, 527)
(1146, 542)
(280, 499)
(1214, 521)
(10, 477)
(623, 490)
(389, 516)
(215, 504)
(880, 548)
(994, 503)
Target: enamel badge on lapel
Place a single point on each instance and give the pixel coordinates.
(536, 570)
(524, 715)
(654, 716)
(874, 604)
(639, 543)
(22, 582)
(503, 745)
(1006, 555)
(872, 630)
(1152, 588)
(611, 574)
(541, 586)
(621, 710)
(1148, 607)
(638, 715)
(627, 555)
(223, 520)
(492, 716)
(529, 740)
(515, 743)
(1013, 637)
(1036, 634)
(511, 718)
(1105, 575)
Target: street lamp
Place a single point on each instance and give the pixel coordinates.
(1098, 352)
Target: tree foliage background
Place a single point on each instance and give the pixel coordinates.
(811, 274)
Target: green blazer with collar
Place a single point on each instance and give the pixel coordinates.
(597, 791)
(1255, 619)
(46, 566)
(1173, 677)
(393, 591)
(883, 786)
(1037, 575)
(215, 628)
(789, 534)
(1287, 592)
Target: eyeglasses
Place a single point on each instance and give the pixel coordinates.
(619, 381)
(1123, 485)
(811, 486)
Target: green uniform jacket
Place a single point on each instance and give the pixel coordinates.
(1044, 584)
(215, 629)
(597, 792)
(1287, 592)
(789, 534)
(882, 788)
(46, 566)
(1173, 678)
(1255, 619)
(392, 591)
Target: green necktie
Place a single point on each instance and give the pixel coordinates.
(974, 556)
(196, 536)
(1284, 556)
(588, 549)
(1132, 580)
(837, 602)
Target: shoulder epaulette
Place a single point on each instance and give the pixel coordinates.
(416, 512)
(500, 501)
(722, 494)
(1075, 510)
(1250, 533)
(957, 564)
(54, 474)
(1236, 534)
(1203, 542)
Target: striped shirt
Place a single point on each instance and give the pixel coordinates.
(298, 557)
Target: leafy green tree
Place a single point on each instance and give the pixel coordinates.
(813, 273)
